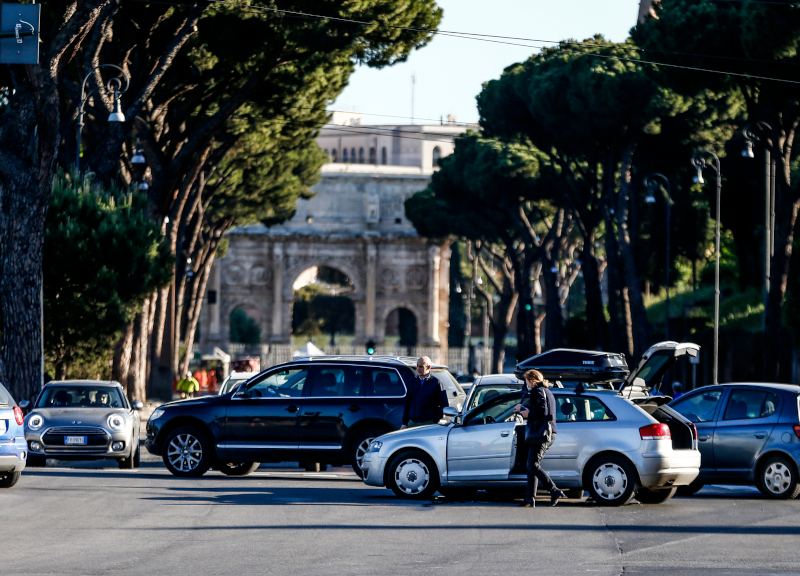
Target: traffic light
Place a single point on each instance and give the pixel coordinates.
(370, 347)
(528, 304)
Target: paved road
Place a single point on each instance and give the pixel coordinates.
(93, 521)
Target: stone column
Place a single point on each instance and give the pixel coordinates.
(371, 288)
(434, 261)
(277, 296)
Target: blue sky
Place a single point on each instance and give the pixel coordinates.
(450, 71)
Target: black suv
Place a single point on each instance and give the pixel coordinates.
(314, 410)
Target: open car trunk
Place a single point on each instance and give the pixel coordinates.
(683, 432)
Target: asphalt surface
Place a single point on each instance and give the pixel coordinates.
(76, 519)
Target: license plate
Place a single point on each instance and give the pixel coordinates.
(3, 426)
(75, 440)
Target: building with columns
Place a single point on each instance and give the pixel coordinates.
(356, 224)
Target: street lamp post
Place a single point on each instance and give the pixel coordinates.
(701, 163)
(114, 87)
(769, 203)
(651, 181)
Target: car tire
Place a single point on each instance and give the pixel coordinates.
(359, 447)
(238, 468)
(611, 480)
(132, 461)
(137, 457)
(460, 494)
(648, 496)
(8, 479)
(691, 489)
(777, 478)
(413, 475)
(187, 452)
(35, 461)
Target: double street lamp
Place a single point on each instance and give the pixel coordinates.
(701, 160)
(651, 181)
(113, 87)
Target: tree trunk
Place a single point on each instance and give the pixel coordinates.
(595, 317)
(193, 306)
(121, 364)
(554, 325)
(639, 323)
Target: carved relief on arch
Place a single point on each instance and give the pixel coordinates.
(390, 277)
(233, 274)
(416, 278)
(260, 276)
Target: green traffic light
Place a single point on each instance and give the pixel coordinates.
(528, 307)
(370, 351)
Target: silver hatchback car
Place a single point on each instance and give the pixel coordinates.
(606, 444)
(83, 420)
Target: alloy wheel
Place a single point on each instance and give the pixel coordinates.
(361, 450)
(610, 481)
(185, 452)
(412, 476)
(777, 477)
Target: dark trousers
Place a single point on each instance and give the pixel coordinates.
(535, 471)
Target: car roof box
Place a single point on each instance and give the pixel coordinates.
(581, 365)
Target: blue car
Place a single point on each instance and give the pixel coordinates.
(747, 434)
(13, 449)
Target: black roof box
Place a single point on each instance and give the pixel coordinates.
(581, 365)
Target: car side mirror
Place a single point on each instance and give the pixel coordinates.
(25, 406)
(138, 405)
(450, 411)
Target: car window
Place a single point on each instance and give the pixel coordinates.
(487, 392)
(80, 397)
(581, 409)
(336, 381)
(451, 385)
(750, 404)
(384, 382)
(286, 383)
(698, 407)
(5, 397)
(499, 411)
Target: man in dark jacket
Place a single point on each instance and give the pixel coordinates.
(425, 399)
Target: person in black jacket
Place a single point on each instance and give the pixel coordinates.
(541, 414)
(425, 399)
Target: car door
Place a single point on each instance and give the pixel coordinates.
(385, 393)
(584, 425)
(743, 429)
(262, 418)
(702, 407)
(333, 403)
(485, 446)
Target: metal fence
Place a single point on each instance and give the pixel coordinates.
(271, 354)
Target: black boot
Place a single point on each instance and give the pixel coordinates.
(555, 494)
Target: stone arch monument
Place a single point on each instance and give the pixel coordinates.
(356, 224)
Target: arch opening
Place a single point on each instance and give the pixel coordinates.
(322, 307)
(401, 328)
(244, 326)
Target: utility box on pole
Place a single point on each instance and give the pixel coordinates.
(19, 33)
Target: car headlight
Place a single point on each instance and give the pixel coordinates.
(35, 421)
(157, 413)
(116, 422)
(375, 446)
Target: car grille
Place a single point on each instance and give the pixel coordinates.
(96, 439)
(76, 430)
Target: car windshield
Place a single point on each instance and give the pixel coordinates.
(80, 397)
(231, 383)
(451, 385)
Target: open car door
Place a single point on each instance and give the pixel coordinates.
(654, 364)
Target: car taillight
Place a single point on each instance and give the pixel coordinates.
(18, 415)
(655, 432)
(797, 430)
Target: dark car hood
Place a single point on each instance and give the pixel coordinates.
(192, 402)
